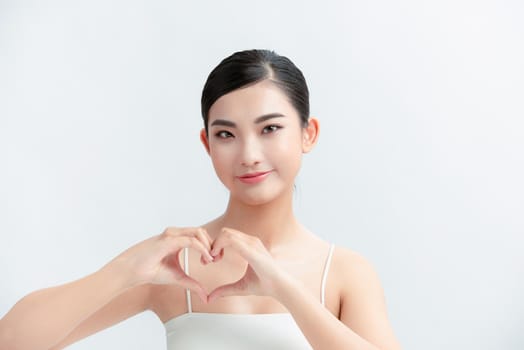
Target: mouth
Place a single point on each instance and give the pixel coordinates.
(254, 177)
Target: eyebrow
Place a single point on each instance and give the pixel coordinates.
(259, 120)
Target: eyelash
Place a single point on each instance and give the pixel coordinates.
(274, 128)
(218, 134)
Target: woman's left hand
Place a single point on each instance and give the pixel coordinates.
(262, 277)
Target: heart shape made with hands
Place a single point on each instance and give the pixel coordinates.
(248, 284)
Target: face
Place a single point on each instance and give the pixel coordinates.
(256, 142)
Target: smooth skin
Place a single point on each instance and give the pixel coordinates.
(255, 258)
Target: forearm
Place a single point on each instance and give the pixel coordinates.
(44, 317)
(323, 330)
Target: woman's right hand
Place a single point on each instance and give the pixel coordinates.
(156, 259)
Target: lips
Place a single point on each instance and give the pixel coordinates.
(252, 178)
(253, 174)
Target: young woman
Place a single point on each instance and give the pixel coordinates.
(253, 278)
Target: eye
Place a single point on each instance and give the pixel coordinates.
(271, 128)
(223, 134)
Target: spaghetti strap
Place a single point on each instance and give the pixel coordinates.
(324, 275)
(186, 270)
(322, 286)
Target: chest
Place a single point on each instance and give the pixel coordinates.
(171, 301)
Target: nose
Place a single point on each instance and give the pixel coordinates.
(251, 153)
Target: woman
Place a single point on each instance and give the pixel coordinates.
(253, 278)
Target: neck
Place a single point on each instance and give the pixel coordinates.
(273, 222)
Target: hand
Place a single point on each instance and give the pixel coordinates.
(262, 275)
(156, 260)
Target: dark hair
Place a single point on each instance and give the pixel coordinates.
(251, 66)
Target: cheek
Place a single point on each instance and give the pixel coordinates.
(287, 154)
(222, 159)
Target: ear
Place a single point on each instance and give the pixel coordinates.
(204, 140)
(310, 135)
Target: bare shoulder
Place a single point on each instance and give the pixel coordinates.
(352, 269)
(356, 277)
(362, 298)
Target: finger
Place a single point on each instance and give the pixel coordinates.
(236, 288)
(191, 242)
(200, 233)
(196, 287)
(229, 238)
(204, 261)
(205, 236)
(179, 231)
(218, 256)
(222, 241)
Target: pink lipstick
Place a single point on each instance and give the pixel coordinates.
(254, 178)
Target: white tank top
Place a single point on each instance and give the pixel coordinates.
(220, 331)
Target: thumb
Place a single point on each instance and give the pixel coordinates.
(236, 288)
(196, 287)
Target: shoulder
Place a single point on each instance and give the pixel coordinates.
(362, 299)
(350, 261)
(353, 272)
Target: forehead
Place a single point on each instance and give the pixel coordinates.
(251, 102)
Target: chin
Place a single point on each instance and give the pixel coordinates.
(257, 197)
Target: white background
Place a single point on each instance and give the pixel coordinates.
(419, 165)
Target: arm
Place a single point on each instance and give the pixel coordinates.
(44, 317)
(363, 307)
(131, 302)
(54, 317)
(363, 320)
